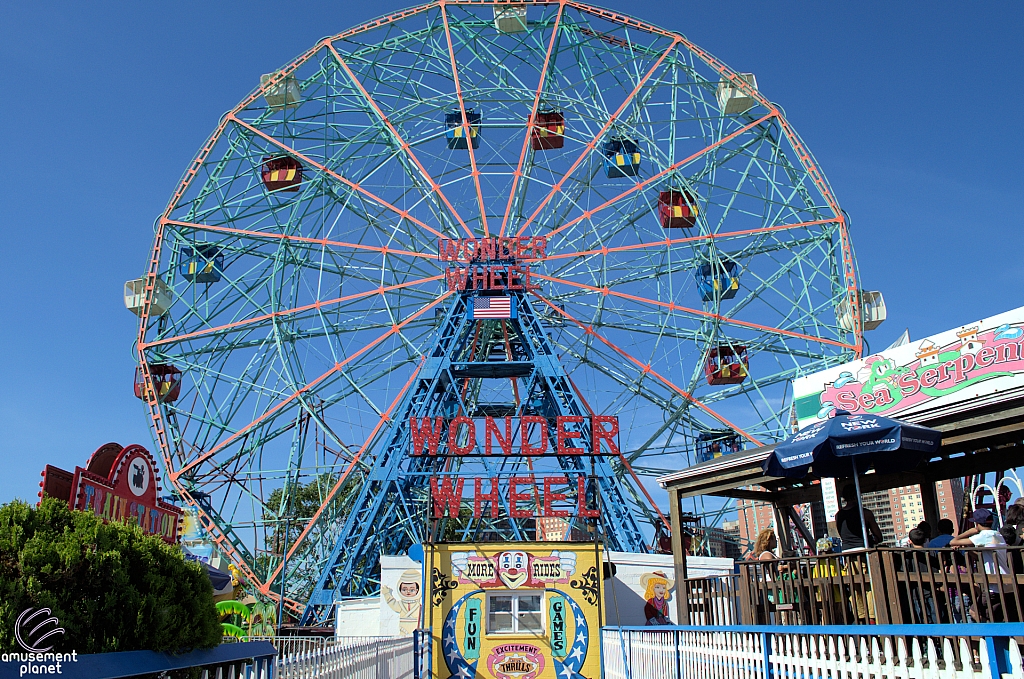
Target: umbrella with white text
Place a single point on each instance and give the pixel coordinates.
(847, 445)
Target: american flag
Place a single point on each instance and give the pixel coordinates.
(492, 307)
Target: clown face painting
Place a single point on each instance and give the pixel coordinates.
(513, 568)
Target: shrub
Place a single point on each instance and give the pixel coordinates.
(111, 587)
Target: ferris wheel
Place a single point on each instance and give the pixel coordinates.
(687, 258)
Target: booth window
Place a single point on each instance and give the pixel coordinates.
(514, 614)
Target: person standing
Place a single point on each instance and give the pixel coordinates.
(1015, 516)
(927, 601)
(848, 522)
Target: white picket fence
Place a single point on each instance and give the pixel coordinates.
(351, 658)
(679, 654)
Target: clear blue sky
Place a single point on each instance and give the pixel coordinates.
(912, 109)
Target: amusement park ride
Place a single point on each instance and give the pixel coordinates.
(521, 219)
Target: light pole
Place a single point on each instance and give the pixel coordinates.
(284, 570)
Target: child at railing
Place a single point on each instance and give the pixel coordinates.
(830, 598)
(989, 606)
(925, 601)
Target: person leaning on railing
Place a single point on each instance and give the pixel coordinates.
(946, 530)
(776, 575)
(1015, 516)
(988, 606)
(954, 563)
(920, 595)
(764, 546)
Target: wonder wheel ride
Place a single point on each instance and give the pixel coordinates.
(687, 259)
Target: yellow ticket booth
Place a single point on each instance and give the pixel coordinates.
(515, 610)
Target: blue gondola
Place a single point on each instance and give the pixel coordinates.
(719, 280)
(621, 158)
(712, 444)
(455, 132)
(201, 264)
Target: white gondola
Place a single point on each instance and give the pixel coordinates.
(732, 99)
(135, 297)
(510, 18)
(283, 94)
(872, 311)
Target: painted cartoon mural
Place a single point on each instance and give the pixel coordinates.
(400, 610)
(656, 594)
(515, 610)
(408, 602)
(973, 362)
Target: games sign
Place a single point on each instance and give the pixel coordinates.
(118, 484)
(969, 366)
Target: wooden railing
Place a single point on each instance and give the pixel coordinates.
(713, 600)
(952, 585)
(827, 590)
(878, 586)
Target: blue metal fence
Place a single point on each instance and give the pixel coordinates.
(249, 660)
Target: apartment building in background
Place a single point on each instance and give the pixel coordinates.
(897, 511)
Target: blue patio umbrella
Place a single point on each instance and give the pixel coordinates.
(847, 445)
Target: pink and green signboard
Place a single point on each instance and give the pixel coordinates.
(969, 366)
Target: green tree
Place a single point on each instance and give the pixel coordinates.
(304, 501)
(294, 511)
(111, 587)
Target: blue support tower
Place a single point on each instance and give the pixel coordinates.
(476, 368)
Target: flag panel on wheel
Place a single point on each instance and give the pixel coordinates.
(493, 307)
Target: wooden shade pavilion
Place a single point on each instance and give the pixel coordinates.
(975, 441)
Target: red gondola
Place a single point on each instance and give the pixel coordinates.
(166, 383)
(282, 173)
(726, 365)
(677, 209)
(548, 131)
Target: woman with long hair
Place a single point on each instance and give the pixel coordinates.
(764, 546)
